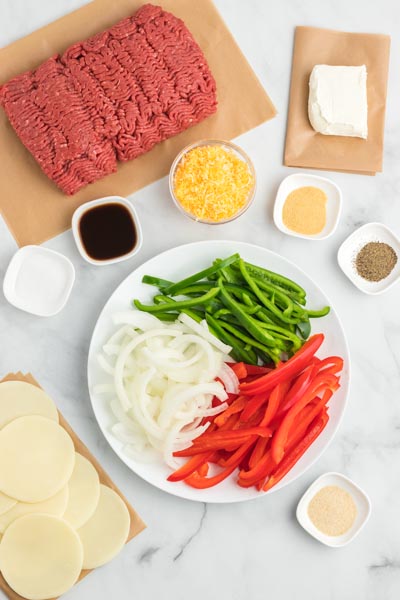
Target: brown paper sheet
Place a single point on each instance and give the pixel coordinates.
(137, 524)
(34, 209)
(307, 148)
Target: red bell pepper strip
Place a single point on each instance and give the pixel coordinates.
(305, 417)
(239, 452)
(240, 369)
(332, 364)
(236, 407)
(257, 370)
(190, 466)
(275, 399)
(258, 452)
(203, 469)
(319, 384)
(228, 440)
(297, 452)
(231, 435)
(197, 481)
(273, 403)
(285, 370)
(263, 468)
(252, 405)
(298, 388)
(255, 473)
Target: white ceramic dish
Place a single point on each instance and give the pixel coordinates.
(176, 264)
(333, 205)
(370, 232)
(106, 200)
(360, 498)
(39, 280)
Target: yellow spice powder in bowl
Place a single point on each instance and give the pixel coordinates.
(212, 181)
(304, 210)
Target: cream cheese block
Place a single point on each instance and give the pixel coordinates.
(337, 102)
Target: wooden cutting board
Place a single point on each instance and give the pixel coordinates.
(137, 524)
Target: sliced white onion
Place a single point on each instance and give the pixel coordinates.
(105, 365)
(204, 332)
(120, 333)
(229, 379)
(162, 380)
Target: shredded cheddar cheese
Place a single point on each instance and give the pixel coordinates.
(212, 183)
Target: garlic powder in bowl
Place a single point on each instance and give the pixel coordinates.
(333, 509)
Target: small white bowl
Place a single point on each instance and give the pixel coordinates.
(107, 200)
(360, 498)
(39, 280)
(333, 205)
(347, 253)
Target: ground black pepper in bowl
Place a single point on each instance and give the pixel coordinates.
(375, 261)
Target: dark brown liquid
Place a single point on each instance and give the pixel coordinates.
(107, 231)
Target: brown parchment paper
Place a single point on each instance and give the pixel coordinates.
(307, 148)
(34, 209)
(137, 524)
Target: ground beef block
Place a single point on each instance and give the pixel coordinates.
(113, 96)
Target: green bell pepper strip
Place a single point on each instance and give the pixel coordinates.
(315, 314)
(179, 305)
(273, 353)
(169, 317)
(262, 297)
(231, 276)
(282, 297)
(305, 329)
(284, 333)
(243, 318)
(193, 313)
(176, 287)
(195, 288)
(278, 297)
(157, 281)
(239, 351)
(287, 286)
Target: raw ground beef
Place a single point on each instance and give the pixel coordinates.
(112, 97)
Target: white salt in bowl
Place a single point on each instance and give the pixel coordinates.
(361, 501)
(39, 280)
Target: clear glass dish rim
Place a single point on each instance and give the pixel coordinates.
(212, 142)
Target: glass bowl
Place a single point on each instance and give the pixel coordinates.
(229, 146)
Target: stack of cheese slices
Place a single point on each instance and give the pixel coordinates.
(56, 518)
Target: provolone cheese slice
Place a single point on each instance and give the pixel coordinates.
(37, 458)
(20, 399)
(40, 556)
(6, 503)
(53, 506)
(106, 532)
(84, 492)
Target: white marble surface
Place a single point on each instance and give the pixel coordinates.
(255, 550)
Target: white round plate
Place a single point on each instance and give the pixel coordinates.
(176, 264)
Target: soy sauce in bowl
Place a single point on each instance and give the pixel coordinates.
(106, 230)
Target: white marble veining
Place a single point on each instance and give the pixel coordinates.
(255, 550)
